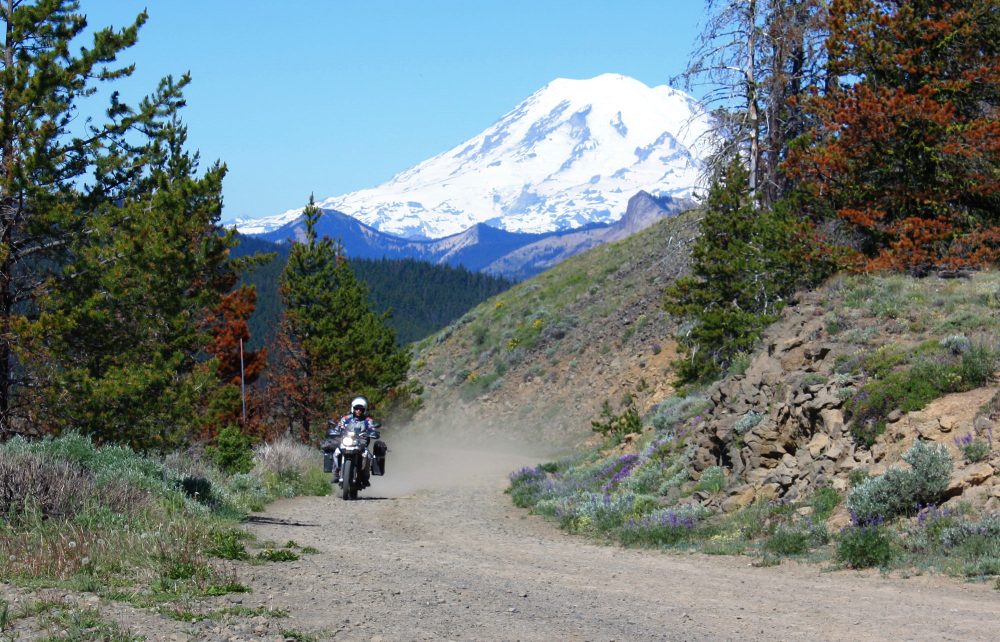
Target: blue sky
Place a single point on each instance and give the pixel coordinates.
(331, 96)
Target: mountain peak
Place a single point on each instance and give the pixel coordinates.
(569, 155)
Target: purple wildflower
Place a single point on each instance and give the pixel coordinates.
(626, 464)
(964, 440)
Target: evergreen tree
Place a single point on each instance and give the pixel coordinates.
(745, 265)
(755, 59)
(906, 145)
(238, 367)
(335, 346)
(124, 321)
(109, 248)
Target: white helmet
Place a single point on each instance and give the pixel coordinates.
(360, 401)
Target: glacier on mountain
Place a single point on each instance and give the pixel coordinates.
(572, 154)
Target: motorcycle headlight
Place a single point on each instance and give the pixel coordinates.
(348, 441)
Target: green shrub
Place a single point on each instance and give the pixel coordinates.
(933, 375)
(233, 451)
(247, 492)
(824, 500)
(973, 448)
(931, 468)
(618, 425)
(957, 344)
(902, 491)
(865, 546)
(788, 541)
(224, 589)
(525, 486)
(740, 363)
(664, 527)
(712, 480)
(670, 413)
(856, 477)
(747, 422)
(974, 546)
(477, 385)
(227, 544)
(277, 555)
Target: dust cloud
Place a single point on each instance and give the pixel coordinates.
(452, 453)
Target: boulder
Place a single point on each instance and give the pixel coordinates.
(930, 430)
(839, 520)
(818, 353)
(802, 398)
(768, 491)
(948, 423)
(739, 498)
(846, 464)
(833, 421)
(819, 442)
(968, 477)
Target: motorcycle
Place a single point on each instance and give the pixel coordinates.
(358, 456)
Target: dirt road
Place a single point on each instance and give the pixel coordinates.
(433, 555)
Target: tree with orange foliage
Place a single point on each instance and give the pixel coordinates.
(906, 144)
(227, 325)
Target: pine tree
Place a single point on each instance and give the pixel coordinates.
(906, 147)
(44, 199)
(745, 265)
(755, 59)
(123, 321)
(238, 367)
(334, 346)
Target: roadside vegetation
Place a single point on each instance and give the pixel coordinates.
(648, 499)
(905, 342)
(156, 532)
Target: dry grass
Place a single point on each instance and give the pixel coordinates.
(284, 458)
(32, 483)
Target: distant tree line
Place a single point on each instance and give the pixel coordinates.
(849, 134)
(422, 297)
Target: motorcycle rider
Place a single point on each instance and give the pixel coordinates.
(359, 414)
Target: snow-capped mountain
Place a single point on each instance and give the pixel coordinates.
(572, 154)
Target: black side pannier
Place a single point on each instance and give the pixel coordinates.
(328, 445)
(380, 449)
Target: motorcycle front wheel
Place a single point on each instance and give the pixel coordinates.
(347, 474)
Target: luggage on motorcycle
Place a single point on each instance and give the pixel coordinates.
(379, 449)
(328, 461)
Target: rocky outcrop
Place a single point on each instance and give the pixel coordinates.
(780, 428)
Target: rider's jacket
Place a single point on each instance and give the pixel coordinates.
(346, 422)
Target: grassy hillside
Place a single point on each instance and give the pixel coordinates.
(862, 433)
(542, 357)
